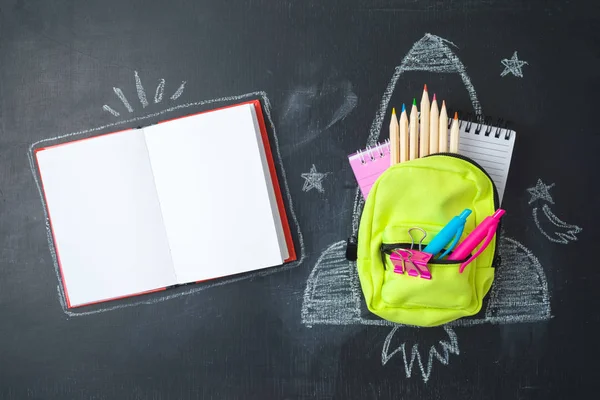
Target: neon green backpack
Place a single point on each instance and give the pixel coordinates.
(425, 193)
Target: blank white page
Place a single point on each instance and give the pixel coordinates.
(105, 217)
(493, 152)
(213, 194)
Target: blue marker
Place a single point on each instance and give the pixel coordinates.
(451, 231)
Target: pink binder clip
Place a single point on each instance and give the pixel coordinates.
(414, 262)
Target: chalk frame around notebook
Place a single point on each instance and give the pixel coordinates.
(146, 120)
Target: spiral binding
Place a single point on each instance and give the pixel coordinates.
(500, 127)
(371, 153)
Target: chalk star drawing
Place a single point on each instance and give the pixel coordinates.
(333, 295)
(540, 191)
(513, 66)
(566, 232)
(313, 179)
(158, 95)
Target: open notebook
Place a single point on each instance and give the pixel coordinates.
(489, 146)
(186, 200)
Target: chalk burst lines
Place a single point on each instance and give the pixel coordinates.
(158, 95)
(425, 362)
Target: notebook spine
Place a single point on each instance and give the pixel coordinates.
(477, 125)
(372, 153)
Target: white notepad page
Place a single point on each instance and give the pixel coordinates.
(106, 218)
(493, 152)
(186, 200)
(214, 194)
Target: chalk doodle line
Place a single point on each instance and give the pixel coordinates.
(196, 287)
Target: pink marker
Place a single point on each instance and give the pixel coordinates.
(484, 232)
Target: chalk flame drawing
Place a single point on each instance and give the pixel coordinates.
(566, 232)
(448, 347)
(142, 95)
(134, 122)
(313, 179)
(333, 294)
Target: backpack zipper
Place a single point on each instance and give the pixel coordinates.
(388, 248)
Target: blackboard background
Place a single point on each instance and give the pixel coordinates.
(58, 64)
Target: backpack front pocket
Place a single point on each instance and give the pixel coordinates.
(447, 288)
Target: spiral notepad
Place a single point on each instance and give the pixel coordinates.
(368, 164)
(489, 146)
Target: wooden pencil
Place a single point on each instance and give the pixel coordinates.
(394, 139)
(424, 124)
(434, 125)
(413, 140)
(403, 135)
(454, 134)
(443, 129)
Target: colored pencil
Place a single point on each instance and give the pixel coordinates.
(454, 134)
(424, 124)
(443, 129)
(394, 139)
(413, 146)
(403, 135)
(434, 127)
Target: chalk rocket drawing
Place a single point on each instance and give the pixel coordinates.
(564, 233)
(214, 103)
(158, 96)
(313, 179)
(333, 296)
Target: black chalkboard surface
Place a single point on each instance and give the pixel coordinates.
(323, 71)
